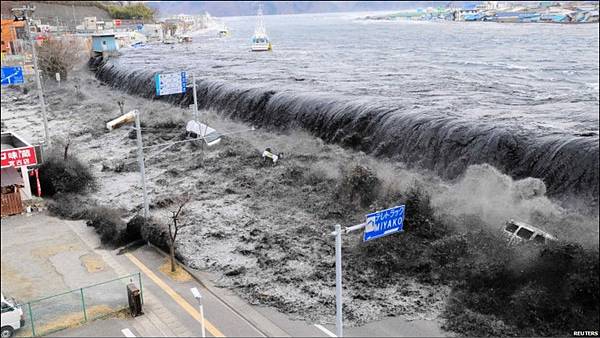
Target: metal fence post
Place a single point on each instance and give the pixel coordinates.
(141, 288)
(83, 304)
(31, 319)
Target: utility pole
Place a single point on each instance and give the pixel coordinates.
(140, 152)
(74, 20)
(25, 10)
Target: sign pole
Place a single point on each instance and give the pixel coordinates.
(378, 224)
(140, 152)
(338, 281)
(39, 84)
(195, 98)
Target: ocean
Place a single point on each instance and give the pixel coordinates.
(441, 95)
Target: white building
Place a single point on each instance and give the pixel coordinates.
(153, 32)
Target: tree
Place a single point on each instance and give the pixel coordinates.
(138, 10)
(66, 154)
(174, 228)
(59, 55)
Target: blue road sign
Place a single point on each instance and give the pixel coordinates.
(172, 83)
(12, 75)
(384, 222)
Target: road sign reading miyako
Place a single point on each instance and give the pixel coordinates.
(384, 222)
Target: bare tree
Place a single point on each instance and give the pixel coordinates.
(59, 55)
(65, 156)
(121, 103)
(174, 228)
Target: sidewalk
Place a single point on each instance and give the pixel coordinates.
(169, 307)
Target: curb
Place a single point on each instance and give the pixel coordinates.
(233, 302)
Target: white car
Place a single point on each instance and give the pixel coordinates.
(517, 232)
(12, 317)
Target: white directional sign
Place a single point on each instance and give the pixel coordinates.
(170, 83)
(384, 222)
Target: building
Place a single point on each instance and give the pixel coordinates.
(126, 39)
(153, 32)
(104, 44)
(12, 32)
(90, 23)
(23, 158)
(12, 183)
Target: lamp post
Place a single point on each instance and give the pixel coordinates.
(198, 297)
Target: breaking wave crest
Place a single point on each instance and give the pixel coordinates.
(448, 145)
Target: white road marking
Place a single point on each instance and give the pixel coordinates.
(127, 333)
(327, 332)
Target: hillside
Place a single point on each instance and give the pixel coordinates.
(242, 8)
(51, 12)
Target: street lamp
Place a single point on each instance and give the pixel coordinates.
(127, 333)
(198, 297)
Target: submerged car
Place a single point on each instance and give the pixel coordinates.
(518, 232)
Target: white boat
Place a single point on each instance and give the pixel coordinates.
(223, 31)
(260, 39)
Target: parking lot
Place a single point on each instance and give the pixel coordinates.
(43, 257)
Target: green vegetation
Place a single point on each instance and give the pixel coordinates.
(137, 11)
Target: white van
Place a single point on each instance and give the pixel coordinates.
(12, 317)
(517, 232)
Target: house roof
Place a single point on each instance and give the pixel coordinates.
(10, 176)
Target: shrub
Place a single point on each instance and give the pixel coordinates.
(108, 224)
(69, 206)
(151, 231)
(133, 230)
(58, 175)
(420, 219)
(359, 186)
(314, 176)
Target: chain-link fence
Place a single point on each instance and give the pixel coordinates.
(50, 314)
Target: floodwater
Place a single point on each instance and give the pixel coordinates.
(442, 95)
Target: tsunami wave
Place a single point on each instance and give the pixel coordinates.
(447, 145)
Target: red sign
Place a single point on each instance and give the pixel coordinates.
(18, 157)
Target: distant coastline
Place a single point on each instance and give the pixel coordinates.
(490, 11)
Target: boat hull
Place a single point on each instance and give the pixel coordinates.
(263, 47)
